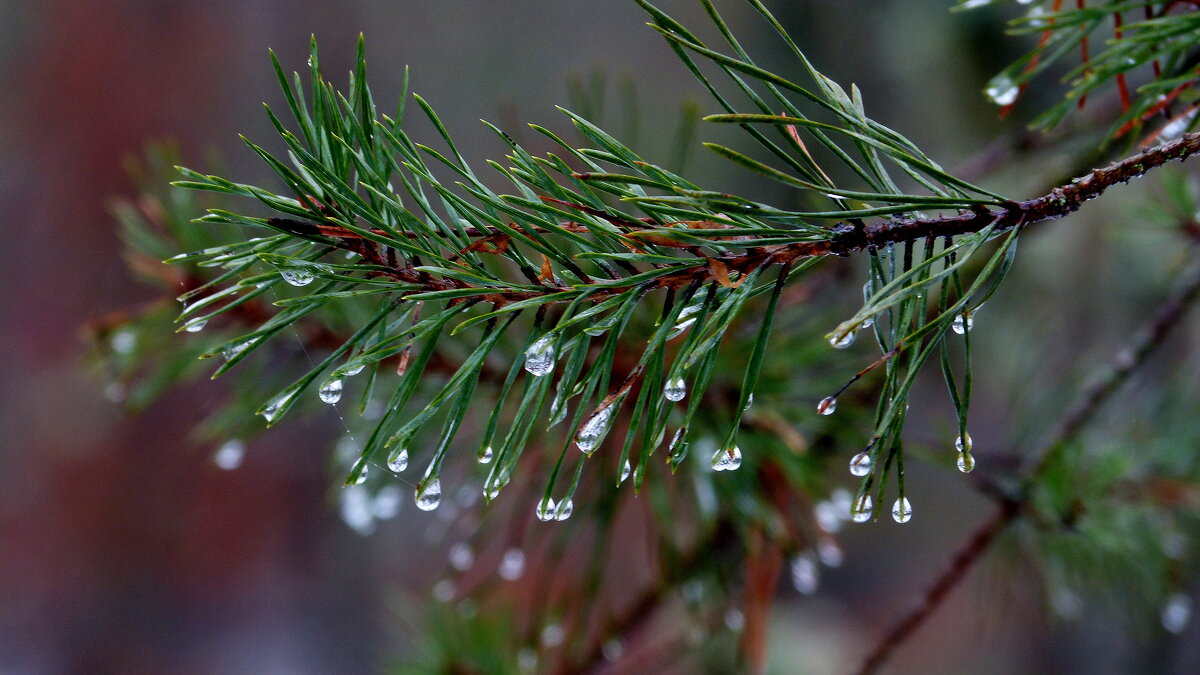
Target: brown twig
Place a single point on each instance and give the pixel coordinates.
(1093, 395)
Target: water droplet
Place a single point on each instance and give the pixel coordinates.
(363, 470)
(830, 554)
(963, 443)
(527, 660)
(545, 510)
(461, 556)
(553, 634)
(727, 459)
(1176, 613)
(386, 503)
(399, 462)
(804, 574)
(565, 509)
(356, 510)
(902, 510)
(195, 326)
(596, 427)
(686, 318)
(749, 402)
(487, 455)
(353, 371)
(863, 509)
(331, 391)
(232, 350)
(675, 389)
(867, 323)
(123, 341)
(626, 469)
(735, 620)
(842, 341)
(297, 276)
(1002, 90)
(827, 406)
(310, 61)
(539, 358)
(429, 497)
(963, 323)
(512, 565)
(272, 410)
(612, 650)
(229, 456)
(829, 516)
(860, 464)
(966, 463)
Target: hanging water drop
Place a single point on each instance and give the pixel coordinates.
(675, 389)
(512, 565)
(273, 409)
(545, 510)
(612, 650)
(804, 574)
(297, 276)
(331, 391)
(860, 464)
(229, 456)
(749, 402)
(363, 469)
(356, 510)
(595, 428)
(863, 508)
(429, 497)
(1176, 613)
(461, 556)
(828, 516)
(399, 462)
(842, 341)
(626, 469)
(963, 443)
(727, 459)
(553, 635)
(539, 358)
(354, 371)
(966, 463)
(902, 510)
(830, 554)
(232, 350)
(963, 323)
(487, 455)
(867, 323)
(827, 406)
(1002, 90)
(195, 326)
(735, 620)
(565, 508)
(123, 341)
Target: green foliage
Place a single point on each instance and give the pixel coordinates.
(1142, 48)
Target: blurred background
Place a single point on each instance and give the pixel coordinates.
(123, 548)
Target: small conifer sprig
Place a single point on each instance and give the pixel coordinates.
(1144, 49)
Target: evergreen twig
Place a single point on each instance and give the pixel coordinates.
(1089, 401)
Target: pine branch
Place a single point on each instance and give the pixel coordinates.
(1091, 398)
(847, 238)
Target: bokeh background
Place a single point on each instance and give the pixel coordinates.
(123, 549)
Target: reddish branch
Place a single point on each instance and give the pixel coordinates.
(1089, 401)
(845, 238)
